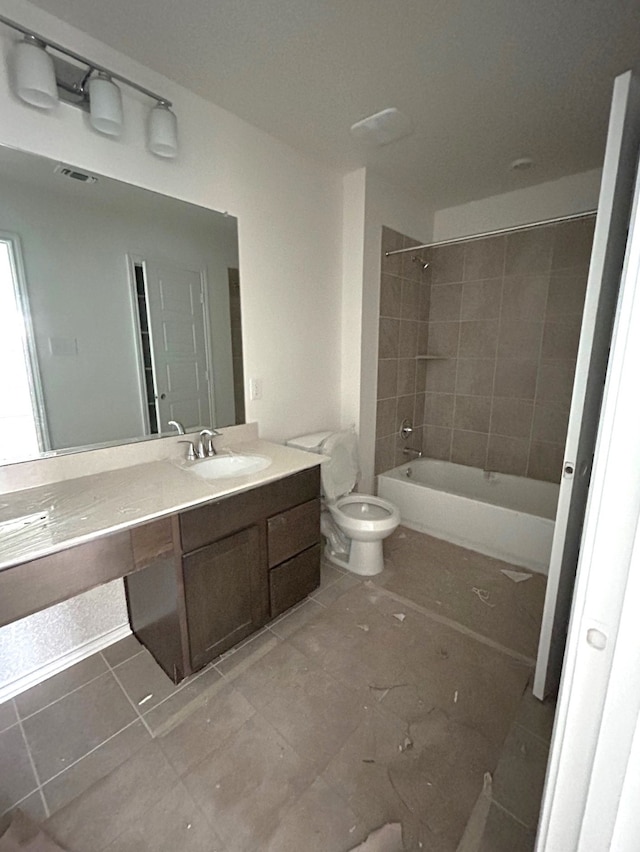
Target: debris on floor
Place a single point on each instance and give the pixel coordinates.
(483, 594)
(385, 839)
(25, 834)
(364, 627)
(472, 837)
(516, 576)
(400, 616)
(455, 697)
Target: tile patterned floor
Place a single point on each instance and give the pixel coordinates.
(371, 701)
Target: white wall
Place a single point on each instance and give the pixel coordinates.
(571, 194)
(289, 213)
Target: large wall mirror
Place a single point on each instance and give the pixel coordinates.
(119, 311)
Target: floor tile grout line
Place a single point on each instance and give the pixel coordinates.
(456, 625)
(51, 703)
(536, 736)
(130, 700)
(36, 774)
(90, 752)
(512, 815)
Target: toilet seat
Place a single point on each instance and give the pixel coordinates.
(362, 516)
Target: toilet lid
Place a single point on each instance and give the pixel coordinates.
(339, 474)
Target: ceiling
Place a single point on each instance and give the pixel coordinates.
(483, 82)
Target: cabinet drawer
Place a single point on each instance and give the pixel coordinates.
(294, 580)
(208, 523)
(293, 531)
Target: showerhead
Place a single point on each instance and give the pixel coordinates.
(423, 263)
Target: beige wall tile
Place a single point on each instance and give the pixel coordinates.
(390, 296)
(481, 300)
(406, 376)
(424, 301)
(419, 409)
(423, 338)
(525, 297)
(438, 409)
(550, 423)
(385, 453)
(472, 413)
(408, 340)
(443, 338)
(447, 264)
(573, 242)
(484, 258)
(388, 338)
(561, 339)
(410, 299)
(508, 455)
(385, 417)
(545, 461)
(445, 302)
(436, 443)
(404, 410)
(511, 417)
(387, 378)
(567, 290)
(441, 376)
(475, 376)
(516, 378)
(469, 448)
(529, 252)
(519, 339)
(478, 339)
(555, 381)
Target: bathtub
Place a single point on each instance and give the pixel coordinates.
(508, 517)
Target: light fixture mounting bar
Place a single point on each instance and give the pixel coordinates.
(84, 61)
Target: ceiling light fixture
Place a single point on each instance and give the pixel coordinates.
(383, 127)
(42, 78)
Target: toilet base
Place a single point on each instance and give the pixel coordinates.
(365, 558)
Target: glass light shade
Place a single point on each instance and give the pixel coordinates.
(35, 76)
(105, 104)
(163, 132)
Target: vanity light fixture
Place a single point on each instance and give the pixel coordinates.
(42, 78)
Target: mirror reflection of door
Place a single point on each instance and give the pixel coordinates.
(174, 344)
(22, 420)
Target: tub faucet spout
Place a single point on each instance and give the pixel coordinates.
(409, 451)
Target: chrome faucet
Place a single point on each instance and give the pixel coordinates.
(409, 451)
(205, 447)
(177, 425)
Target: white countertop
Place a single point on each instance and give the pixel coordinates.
(74, 511)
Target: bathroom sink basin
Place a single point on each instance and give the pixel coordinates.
(222, 467)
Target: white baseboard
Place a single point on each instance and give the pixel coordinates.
(15, 687)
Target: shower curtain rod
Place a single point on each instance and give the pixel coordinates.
(494, 233)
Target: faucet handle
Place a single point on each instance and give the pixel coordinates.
(191, 452)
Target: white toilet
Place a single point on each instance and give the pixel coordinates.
(355, 524)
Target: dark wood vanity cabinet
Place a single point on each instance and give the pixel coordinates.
(236, 563)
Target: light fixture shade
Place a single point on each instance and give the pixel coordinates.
(105, 104)
(35, 77)
(163, 132)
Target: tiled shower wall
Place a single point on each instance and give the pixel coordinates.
(500, 319)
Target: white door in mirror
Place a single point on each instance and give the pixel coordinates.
(221, 467)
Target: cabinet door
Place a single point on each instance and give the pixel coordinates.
(226, 593)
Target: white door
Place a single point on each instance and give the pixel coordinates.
(179, 344)
(614, 206)
(592, 790)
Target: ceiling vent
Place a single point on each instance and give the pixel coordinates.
(383, 127)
